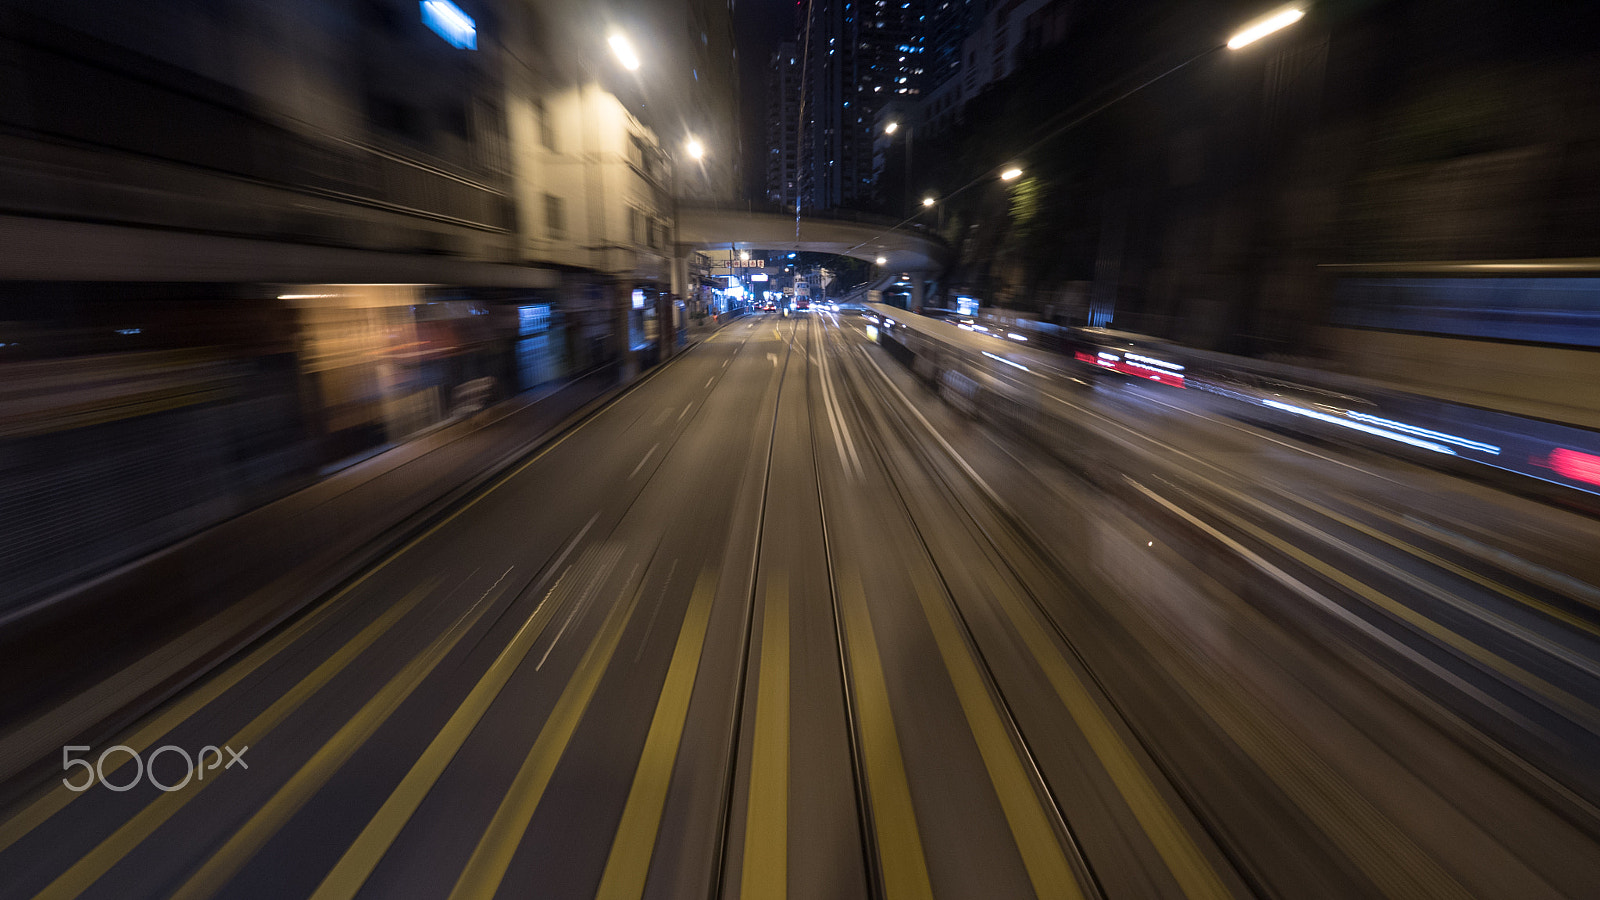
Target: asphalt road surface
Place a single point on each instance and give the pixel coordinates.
(779, 622)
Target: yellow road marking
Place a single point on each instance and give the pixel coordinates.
(1481, 580)
(358, 861)
(1580, 711)
(42, 809)
(629, 862)
(1364, 834)
(36, 813)
(1048, 869)
(490, 859)
(764, 873)
(110, 851)
(894, 819)
(1178, 850)
(304, 784)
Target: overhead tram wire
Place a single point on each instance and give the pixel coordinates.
(800, 118)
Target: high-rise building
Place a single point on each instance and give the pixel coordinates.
(863, 54)
(973, 45)
(949, 22)
(783, 125)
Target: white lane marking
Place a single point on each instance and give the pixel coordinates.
(1334, 609)
(574, 542)
(960, 460)
(647, 455)
(724, 364)
(774, 357)
(841, 433)
(1263, 436)
(685, 412)
(709, 380)
(663, 417)
(600, 564)
(662, 601)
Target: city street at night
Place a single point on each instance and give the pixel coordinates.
(828, 450)
(777, 621)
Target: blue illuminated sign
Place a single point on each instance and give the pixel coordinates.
(449, 22)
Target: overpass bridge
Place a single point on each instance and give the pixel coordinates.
(918, 253)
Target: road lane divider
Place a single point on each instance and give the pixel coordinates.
(163, 722)
(363, 855)
(764, 872)
(1445, 597)
(901, 860)
(1184, 859)
(628, 864)
(1046, 862)
(1344, 616)
(1543, 607)
(245, 842)
(498, 844)
(88, 869)
(1531, 685)
(1377, 846)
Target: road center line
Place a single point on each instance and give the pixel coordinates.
(764, 872)
(647, 455)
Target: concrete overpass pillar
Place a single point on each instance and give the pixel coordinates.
(680, 271)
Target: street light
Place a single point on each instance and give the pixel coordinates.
(891, 127)
(883, 261)
(1011, 174)
(695, 149)
(1263, 27)
(624, 51)
(928, 201)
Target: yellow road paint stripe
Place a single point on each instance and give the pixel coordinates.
(1364, 834)
(1035, 837)
(358, 861)
(894, 819)
(1507, 591)
(628, 865)
(42, 809)
(764, 873)
(1541, 689)
(110, 851)
(498, 844)
(36, 813)
(304, 784)
(1184, 859)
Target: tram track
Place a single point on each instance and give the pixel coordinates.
(1089, 882)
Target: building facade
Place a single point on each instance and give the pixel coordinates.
(783, 126)
(862, 56)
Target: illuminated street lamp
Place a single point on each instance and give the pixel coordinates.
(1259, 29)
(928, 201)
(883, 261)
(624, 52)
(695, 149)
(892, 127)
(1011, 174)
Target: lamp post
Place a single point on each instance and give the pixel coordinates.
(890, 128)
(695, 150)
